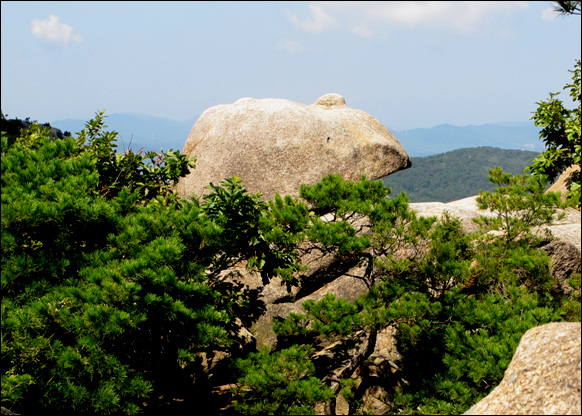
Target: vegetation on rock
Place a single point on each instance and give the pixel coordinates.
(561, 131)
(111, 284)
(118, 297)
(117, 294)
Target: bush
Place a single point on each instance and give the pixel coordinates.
(115, 290)
(109, 281)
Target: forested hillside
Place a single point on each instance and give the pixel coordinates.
(457, 174)
(422, 142)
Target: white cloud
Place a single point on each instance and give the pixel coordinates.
(53, 31)
(318, 22)
(290, 46)
(362, 30)
(365, 18)
(549, 14)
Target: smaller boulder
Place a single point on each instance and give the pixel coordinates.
(564, 263)
(543, 377)
(562, 184)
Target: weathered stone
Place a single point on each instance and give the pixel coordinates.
(262, 329)
(275, 145)
(565, 229)
(464, 209)
(571, 233)
(562, 184)
(564, 262)
(376, 400)
(385, 354)
(543, 377)
(343, 287)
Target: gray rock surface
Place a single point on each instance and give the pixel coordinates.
(564, 263)
(567, 229)
(345, 286)
(275, 145)
(543, 377)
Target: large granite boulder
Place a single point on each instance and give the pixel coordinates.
(275, 145)
(543, 377)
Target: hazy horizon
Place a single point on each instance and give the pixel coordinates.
(409, 64)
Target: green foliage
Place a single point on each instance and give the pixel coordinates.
(460, 308)
(146, 176)
(329, 318)
(466, 305)
(570, 305)
(52, 220)
(279, 383)
(285, 229)
(456, 350)
(446, 264)
(116, 292)
(519, 203)
(108, 280)
(233, 208)
(561, 135)
(264, 235)
(344, 198)
(363, 223)
(460, 321)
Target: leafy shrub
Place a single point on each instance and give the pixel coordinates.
(109, 280)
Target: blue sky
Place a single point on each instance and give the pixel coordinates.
(409, 64)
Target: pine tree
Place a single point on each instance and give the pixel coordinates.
(115, 290)
(109, 281)
(460, 303)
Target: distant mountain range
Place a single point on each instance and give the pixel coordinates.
(140, 131)
(446, 137)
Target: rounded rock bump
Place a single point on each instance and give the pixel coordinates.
(331, 100)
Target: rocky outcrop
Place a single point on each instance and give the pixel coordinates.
(565, 262)
(562, 184)
(564, 248)
(378, 375)
(14, 127)
(566, 229)
(543, 377)
(275, 145)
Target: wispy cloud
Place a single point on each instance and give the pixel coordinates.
(363, 30)
(549, 14)
(290, 46)
(319, 20)
(464, 16)
(366, 18)
(53, 31)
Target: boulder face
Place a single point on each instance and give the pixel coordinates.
(275, 145)
(566, 229)
(543, 377)
(562, 184)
